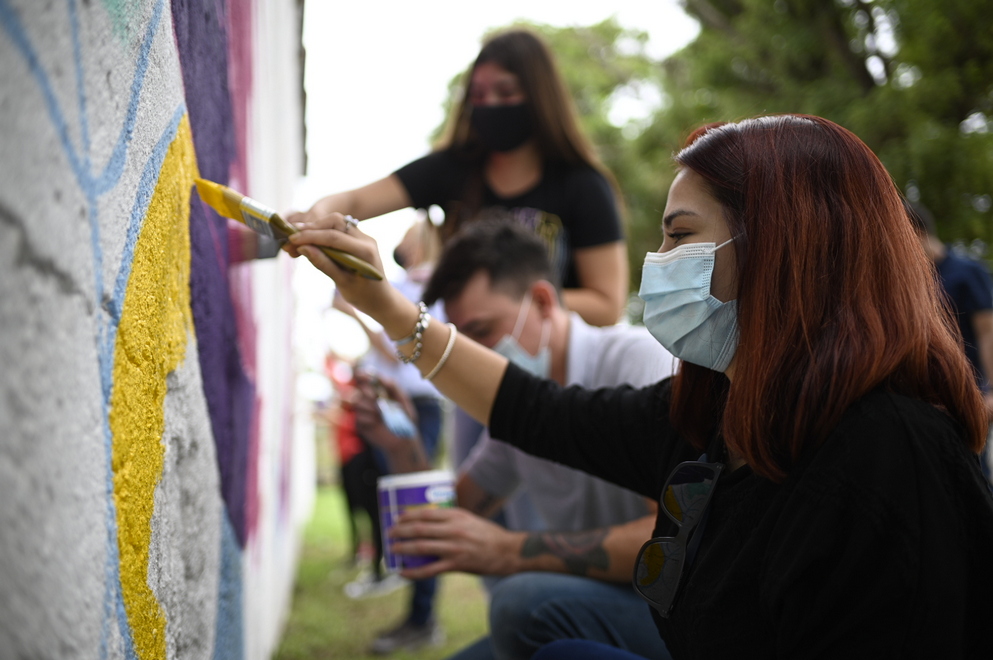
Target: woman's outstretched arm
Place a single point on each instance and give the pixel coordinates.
(603, 278)
(369, 201)
(471, 374)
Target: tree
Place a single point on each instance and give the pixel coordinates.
(912, 78)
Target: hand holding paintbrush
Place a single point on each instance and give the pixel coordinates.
(268, 222)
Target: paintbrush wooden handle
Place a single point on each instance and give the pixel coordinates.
(351, 262)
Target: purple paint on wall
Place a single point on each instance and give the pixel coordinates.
(202, 45)
(203, 48)
(230, 395)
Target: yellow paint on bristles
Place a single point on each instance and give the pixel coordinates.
(222, 199)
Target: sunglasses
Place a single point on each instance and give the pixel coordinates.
(663, 560)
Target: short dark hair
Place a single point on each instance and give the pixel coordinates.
(512, 257)
(921, 218)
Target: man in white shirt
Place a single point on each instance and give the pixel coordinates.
(570, 578)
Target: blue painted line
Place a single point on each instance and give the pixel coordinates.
(93, 187)
(112, 173)
(229, 637)
(108, 340)
(146, 188)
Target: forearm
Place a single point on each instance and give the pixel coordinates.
(369, 201)
(340, 202)
(470, 376)
(595, 307)
(602, 272)
(472, 497)
(409, 458)
(604, 554)
(403, 454)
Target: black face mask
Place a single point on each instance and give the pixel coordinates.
(502, 127)
(398, 257)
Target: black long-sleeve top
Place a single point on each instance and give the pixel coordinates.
(879, 544)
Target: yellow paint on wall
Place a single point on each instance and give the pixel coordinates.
(151, 343)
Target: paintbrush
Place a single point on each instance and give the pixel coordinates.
(267, 222)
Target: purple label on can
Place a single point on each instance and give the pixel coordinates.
(399, 493)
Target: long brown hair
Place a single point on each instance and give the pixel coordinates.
(553, 114)
(836, 296)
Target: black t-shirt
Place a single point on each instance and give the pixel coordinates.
(877, 545)
(572, 207)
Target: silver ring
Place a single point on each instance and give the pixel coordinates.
(350, 222)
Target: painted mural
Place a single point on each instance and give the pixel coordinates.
(138, 442)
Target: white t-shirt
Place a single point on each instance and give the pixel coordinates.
(566, 499)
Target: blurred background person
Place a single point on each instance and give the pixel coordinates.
(567, 576)
(514, 144)
(416, 253)
(969, 288)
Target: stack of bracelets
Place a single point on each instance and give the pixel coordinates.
(417, 336)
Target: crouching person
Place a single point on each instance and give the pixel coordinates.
(570, 579)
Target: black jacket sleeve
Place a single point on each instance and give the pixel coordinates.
(622, 434)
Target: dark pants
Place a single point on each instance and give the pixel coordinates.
(358, 480)
(429, 427)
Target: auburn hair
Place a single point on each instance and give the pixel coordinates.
(836, 296)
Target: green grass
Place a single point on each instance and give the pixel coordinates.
(324, 623)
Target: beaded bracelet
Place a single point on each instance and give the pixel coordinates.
(417, 336)
(422, 312)
(448, 351)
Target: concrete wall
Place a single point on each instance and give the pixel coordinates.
(151, 493)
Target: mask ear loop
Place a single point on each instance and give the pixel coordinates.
(546, 334)
(522, 316)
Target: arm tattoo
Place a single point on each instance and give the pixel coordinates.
(580, 551)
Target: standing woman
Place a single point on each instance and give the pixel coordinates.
(514, 146)
(838, 509)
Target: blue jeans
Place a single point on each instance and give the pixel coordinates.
(581, 649)
(530, 610)
(429, 427)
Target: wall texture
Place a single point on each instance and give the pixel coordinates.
(150, 491)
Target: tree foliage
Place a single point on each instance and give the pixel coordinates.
(912, 78)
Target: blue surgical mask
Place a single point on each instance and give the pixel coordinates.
(681, 313)
(540, 364)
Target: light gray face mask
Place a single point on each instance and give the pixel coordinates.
(540, 364)
(680, 311)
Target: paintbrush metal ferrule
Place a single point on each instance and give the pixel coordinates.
(258, 217)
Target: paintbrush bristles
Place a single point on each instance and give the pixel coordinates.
(220, 198)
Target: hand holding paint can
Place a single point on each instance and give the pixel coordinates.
(432, 489)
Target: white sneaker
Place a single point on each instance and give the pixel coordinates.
(367, 586)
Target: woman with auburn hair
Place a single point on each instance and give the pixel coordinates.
(513, 145)
(837, 509)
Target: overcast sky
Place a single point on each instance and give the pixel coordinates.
(377, 75)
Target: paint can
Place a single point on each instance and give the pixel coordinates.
(431, 489)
